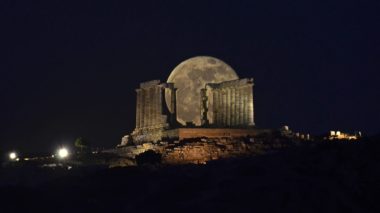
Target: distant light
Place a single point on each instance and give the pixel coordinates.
(12, 156)
(63, 153)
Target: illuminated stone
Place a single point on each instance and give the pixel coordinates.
(220, 100)
(229, 104)
(338, 135)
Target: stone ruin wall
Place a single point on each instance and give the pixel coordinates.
(152, 115)
(228, 104)
(188, 133)
(199, 151)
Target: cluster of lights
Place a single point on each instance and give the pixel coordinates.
(62, 153)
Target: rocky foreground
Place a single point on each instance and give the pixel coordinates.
(197, 150)
(335, 177)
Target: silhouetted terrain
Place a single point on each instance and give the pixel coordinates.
(334, 177)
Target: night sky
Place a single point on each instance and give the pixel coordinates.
(71, 69)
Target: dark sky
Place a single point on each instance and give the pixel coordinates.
(71, 69)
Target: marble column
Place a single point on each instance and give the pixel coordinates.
(147, 101)
(238, 106)
(173, 119)
(241, 92)
(203, 107)
(245, 106)
(152, 105)
(160, 93)
(218, 107)
(138, 108)
(151, 102)
(147, 107)
(228, 106)
(225, 105)
(233, 106)
(156, 104)
(143, 108)
(250, 110)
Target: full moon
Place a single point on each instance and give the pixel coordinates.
(189, 77)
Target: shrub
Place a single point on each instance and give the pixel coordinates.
(148, 157)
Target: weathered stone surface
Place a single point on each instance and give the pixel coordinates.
(224, 105)
(200, 151)
(152, 114)
(226, 112)
(122, 162)
(229, 104)
(185, 133)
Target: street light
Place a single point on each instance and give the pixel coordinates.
(63, 153)
(12, 156)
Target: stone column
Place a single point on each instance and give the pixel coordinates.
(156, 104)
(233, 106)
(238, 105)
(224, 104)
(138, 108)
(148, 99)
(174, 105)
(151, 105)
(250, 109)
(237, 102)
(214, 107)
(221, 108)
(160, 93)
(230, 107)
(227, 106)
(245, 106)
(143, 108)
(203, 107)
(217, 107)
(147, 107)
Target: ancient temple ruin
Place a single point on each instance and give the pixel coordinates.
(153, 116)
(228, 104)
(226, 107)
